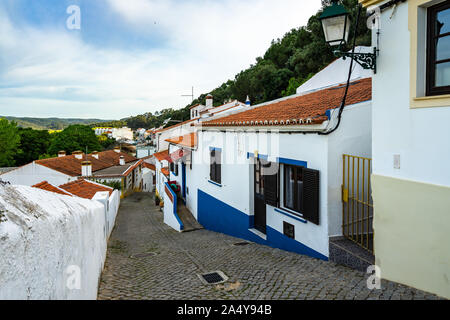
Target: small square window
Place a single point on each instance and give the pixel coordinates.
(288, 230)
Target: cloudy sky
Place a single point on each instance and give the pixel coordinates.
(130, 56)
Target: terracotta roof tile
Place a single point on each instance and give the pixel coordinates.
(149, 166)
(306, 109)
(165, 171)
(161, 155)
(71, 166)
(44, 185)
(85, 189)
(188, 140)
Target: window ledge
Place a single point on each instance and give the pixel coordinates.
(295, 216)
(215, 183)
(431, 101)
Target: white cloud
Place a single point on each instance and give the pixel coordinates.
(50, 73)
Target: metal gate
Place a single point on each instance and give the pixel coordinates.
(357, 204)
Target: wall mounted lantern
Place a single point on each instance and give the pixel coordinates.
(336, 27)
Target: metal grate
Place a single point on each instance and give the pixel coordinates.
(240, 244)
(213, 277)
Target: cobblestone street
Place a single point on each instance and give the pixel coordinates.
(254, 271)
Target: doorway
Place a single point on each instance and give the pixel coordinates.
(260, 201)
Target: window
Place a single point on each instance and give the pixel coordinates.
(293, 187)
(174, 168)
(301, 191)
(438, 50)
(215, 169)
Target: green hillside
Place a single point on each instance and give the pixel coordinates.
(50, 123)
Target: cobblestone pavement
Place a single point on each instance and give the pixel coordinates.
(254, 271)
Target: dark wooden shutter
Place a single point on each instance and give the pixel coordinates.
(212, 166)
(218, 161)
(310, 203)
(271, 187)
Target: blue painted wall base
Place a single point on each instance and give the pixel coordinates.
(217, 216)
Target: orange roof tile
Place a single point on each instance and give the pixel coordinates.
(149, 166)
(309, 108)
(188, 140)
(72, 166)
(165, 171)
(85, 189)
(44, 185)
(161, 155)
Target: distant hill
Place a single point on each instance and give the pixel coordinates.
(50, 123)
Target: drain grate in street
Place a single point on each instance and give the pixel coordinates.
(240, 244)
(213, 277)
(143, 255)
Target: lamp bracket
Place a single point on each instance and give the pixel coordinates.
(365, 60)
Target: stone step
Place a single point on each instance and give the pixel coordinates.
(189, 222)
(348, 253)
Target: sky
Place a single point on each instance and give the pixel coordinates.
(130, 57)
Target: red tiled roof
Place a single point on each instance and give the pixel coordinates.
(149, 166)
(44, 185)
(160, 156)
(165, 171)
(309, 108)
(85, 189)
(72, 166)
(188, 140)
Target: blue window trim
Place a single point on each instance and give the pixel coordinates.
(175, 205)
(299, 163)
(215, 183)
(288, 214)
(214, 148)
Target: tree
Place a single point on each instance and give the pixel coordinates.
(33, 144)
(9, 141)
(74, 138)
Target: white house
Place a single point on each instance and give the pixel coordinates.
(203, 113)
(259, 176)
(106, 167)
(410, 139)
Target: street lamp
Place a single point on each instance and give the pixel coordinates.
(336, 27)
(335, 23)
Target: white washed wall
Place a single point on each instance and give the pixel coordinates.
(33, 173)
(42, 235)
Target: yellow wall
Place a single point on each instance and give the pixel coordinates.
(412, 233)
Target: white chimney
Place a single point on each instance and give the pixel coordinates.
(86, 168)
(122, 160)
(78, 155)
(209, 101)
(95, 154)
(117, 149)
(62, 153)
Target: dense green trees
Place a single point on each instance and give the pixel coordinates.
(33, 144)
(73, 138)
(9, 142)
(288, 62)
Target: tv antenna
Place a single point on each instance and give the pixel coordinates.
(190, 95)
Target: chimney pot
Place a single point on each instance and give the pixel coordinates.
(209, 101)
(122, 160)
(117, 149)
(62, 153)
(78, 155)
(86, 168)
(95, 154)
